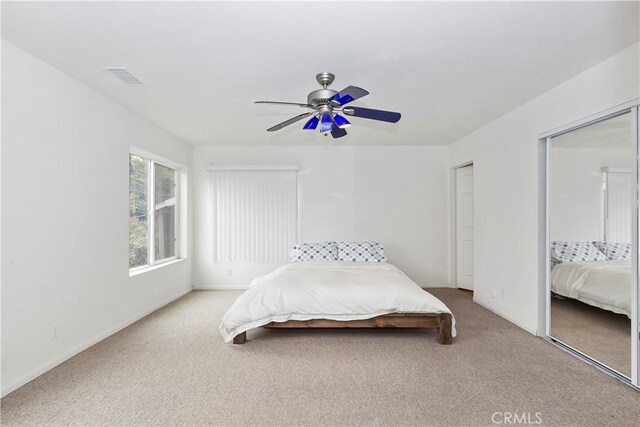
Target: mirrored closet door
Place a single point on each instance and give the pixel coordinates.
(591, 225)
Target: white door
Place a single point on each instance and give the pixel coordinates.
(464, 227)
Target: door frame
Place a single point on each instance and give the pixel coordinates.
(544, 237)
(453, 273)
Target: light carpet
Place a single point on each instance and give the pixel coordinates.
(172, 368)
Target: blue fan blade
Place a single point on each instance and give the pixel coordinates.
(368, 113)
(348, 94)
(336, 132)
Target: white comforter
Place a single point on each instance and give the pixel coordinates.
(327, 290)
(604, 284)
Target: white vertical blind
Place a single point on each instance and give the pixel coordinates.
(255, 214)
(618, 207)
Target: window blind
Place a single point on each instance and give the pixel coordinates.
(255, 214)
(617, 204)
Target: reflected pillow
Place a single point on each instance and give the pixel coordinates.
(615, 251)
(361, 252)
(576, 252)
(322, 251)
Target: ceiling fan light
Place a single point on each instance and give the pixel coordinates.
(327, 123)
(312, 123)
(341, 122)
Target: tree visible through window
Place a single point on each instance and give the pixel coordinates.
(152, 212)
(138, 211)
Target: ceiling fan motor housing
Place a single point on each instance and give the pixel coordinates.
(320, 97)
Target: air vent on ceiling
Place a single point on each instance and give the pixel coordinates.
(124, 75)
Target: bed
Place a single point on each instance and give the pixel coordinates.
(603, 284)
(336, 294)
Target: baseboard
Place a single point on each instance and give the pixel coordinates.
(436, 285)
(68, 355)
(506, 317)
(220, 288)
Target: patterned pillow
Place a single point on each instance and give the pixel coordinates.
(615, 251)
(323, 251)
(576, 252)
(361, 252)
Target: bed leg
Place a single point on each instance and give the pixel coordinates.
(240, 338)
(444, 329)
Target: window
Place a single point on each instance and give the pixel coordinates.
(254, 212)
(138, 211)
(165, 212)
(153, 224)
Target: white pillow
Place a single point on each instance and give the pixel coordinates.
(361, 252)
(321, 251)
(615, 251)
(576, 252)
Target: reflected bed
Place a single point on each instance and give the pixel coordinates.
(603, 284)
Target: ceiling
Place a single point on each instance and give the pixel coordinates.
(448, 67)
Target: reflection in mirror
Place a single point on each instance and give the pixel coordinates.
(590, 226)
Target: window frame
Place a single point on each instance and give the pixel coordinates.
(153, 263)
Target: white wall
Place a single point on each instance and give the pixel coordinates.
(395, 195)
(506, 178)
(576, 191)
(65, 217)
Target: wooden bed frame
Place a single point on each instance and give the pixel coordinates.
(441, 322)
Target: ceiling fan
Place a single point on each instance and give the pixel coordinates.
(325, 104)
